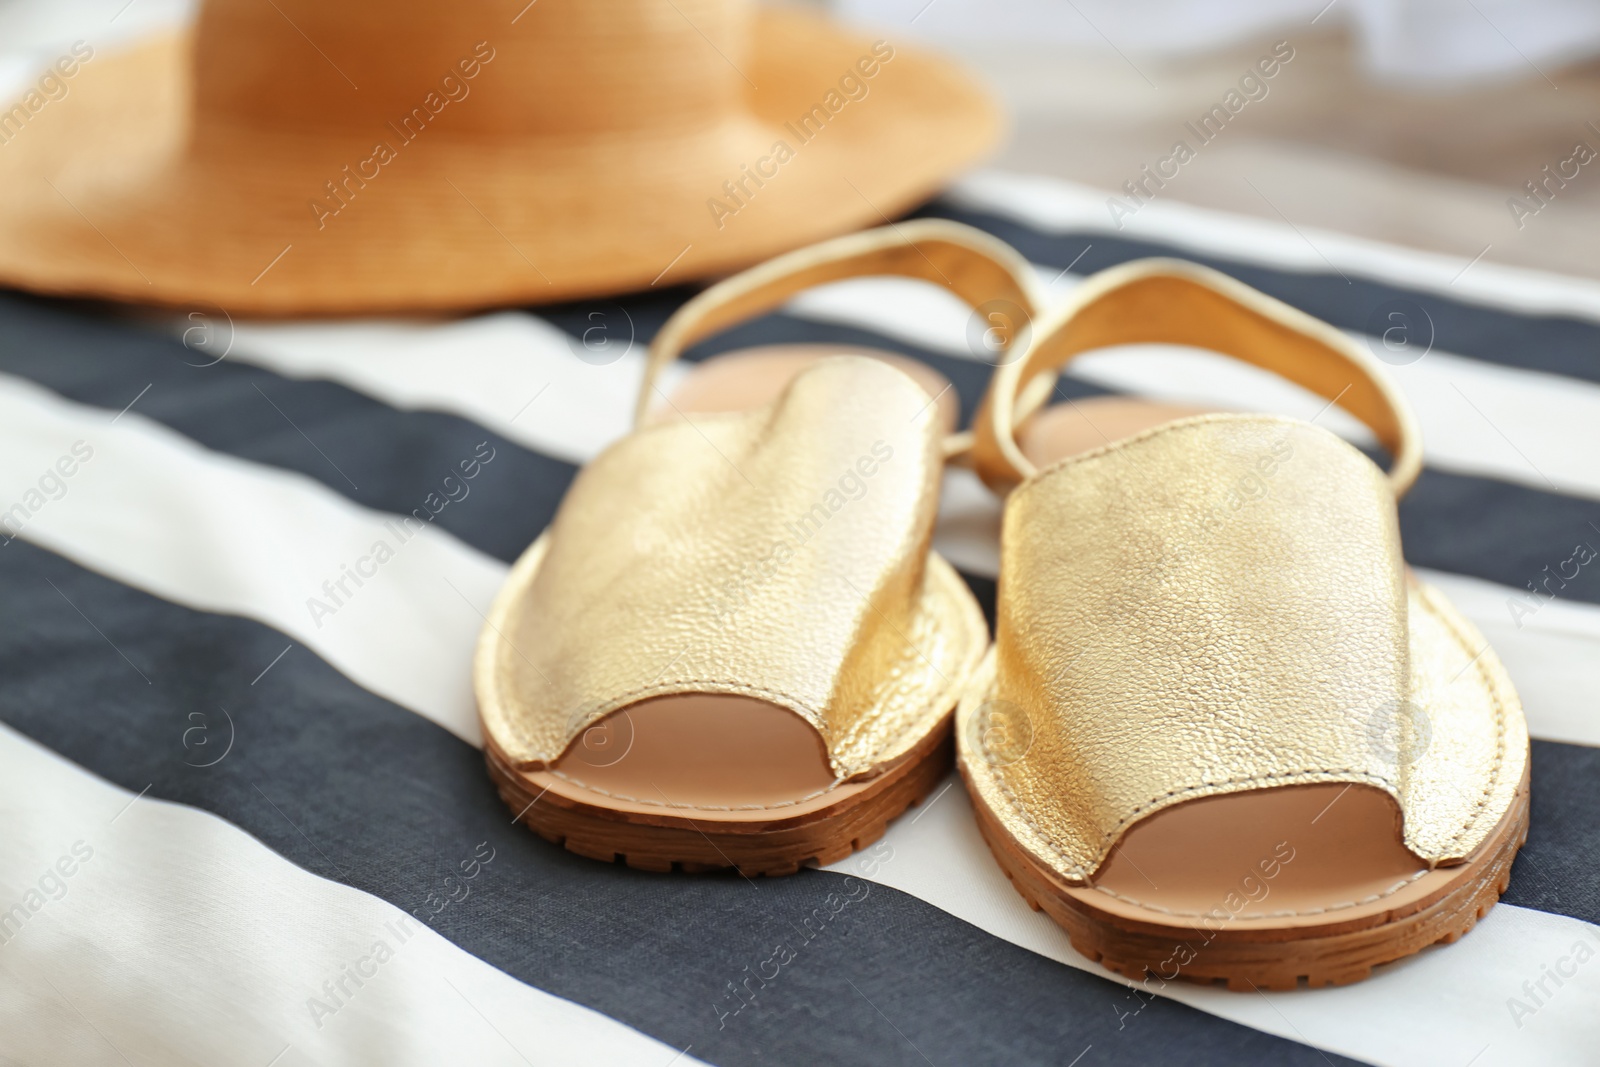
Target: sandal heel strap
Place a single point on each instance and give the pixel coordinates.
(984, 272)
(1169, 301)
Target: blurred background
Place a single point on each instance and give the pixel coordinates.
(1410, 121)
(1404, 120)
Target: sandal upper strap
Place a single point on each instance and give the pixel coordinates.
(778, 554)
(984, 272)
(1168, 301)
(1219, 605)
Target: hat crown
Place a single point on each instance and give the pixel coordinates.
(554, 66)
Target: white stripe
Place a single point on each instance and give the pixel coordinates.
(509, 371)
(1056, 206)
(915, 312)
(1552, 653)
(1441, 1007)
(158, 512)
(182, 939)
(1520, 426)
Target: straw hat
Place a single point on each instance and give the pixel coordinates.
(315, 157)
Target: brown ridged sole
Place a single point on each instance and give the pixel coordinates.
(753, 846)
(1280, 957)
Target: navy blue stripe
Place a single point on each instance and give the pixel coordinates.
(361, 791)
(1515, 535)
(1554, 344)
(360, 447)
(1555, 871)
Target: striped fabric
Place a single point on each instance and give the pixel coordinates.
(246, 821)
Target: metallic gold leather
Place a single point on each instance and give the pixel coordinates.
(1169, 301)
(1473, 743)
(1219, 605)
(748, 553)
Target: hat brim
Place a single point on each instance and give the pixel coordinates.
(111, 194)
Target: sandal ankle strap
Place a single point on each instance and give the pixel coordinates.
(968, 262)
(1169, 301)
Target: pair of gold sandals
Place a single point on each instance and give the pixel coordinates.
(1221, 733)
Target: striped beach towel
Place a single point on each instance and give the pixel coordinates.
(246, 819)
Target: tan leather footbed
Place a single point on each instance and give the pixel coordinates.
(1314, 862)
(740, 381)
(714, 780)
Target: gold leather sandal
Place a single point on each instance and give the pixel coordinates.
(1223, 733)
(733, 646)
